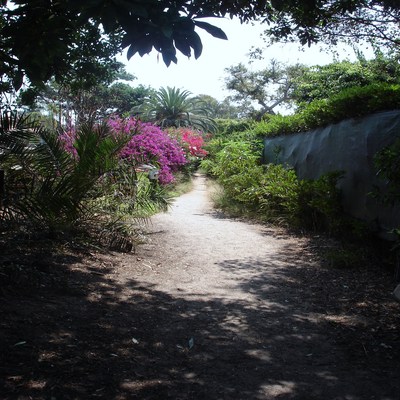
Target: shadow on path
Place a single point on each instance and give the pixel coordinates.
(205, 315)
(304, 338)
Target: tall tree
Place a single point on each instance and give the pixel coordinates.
(222, 109)
(269, 88)
(71, 103)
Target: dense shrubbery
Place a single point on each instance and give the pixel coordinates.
(87, 177)
(272, 193)
(387, 163)
(350, 103)
(176, 149)
(149, 144)
(227, 127)
(46, 184)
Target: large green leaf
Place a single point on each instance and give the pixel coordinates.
(211, 29)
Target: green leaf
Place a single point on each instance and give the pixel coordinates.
(109, 19)
(182, 45)
(169, 55)
(127, 40)
(135, 9)
(131, 51)
(167, 31)
(144, 47)
(195, 43)
(212, 30)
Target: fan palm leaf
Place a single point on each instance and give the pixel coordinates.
(58, 182)
(172, 107)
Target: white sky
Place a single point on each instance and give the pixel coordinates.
(206, 74)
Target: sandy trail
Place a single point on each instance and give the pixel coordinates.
(210, 308)
(199, 245)
(265, 318)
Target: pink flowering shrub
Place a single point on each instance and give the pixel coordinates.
(68, 138)
(150, 144)
(192, 141)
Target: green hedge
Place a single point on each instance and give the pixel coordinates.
(350, 103)
(274, 193)
(228, 127)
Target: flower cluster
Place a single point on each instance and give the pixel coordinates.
(67, 137)
(150, 144)
(191, 140)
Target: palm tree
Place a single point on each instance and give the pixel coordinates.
(49, 186)
(172, 107)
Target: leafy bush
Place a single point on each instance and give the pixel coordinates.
(319, 203)
(227, 127)
(149, 144)
(86, 188)
(214, 146)
(56, 183)
(353, 102)
(192, 142)
(273, 193)
(387, 163)
(277, 194)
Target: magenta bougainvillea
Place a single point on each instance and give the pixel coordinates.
(150, 144)
(68, 138)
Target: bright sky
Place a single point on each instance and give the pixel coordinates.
(206, 74)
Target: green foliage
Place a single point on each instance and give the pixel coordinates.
(44, 38)
(48, 188)
(322, 82)
(331, 22)
(125, 193)
(216, 145)
(274, 193)
(237, 168)
(172, 107)
(56, 184)
(227, 127)
(76, 103)
(387, 163)
(354, 102)
(270, 87)
(277, 194)
(319, 206)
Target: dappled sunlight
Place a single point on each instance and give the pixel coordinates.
(163, 344)
(205, 320)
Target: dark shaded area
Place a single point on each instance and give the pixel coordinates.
(72, 329)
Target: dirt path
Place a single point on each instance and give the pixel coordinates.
(210, 308)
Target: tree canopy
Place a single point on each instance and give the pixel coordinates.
(73, 103)
(279, 85)
(332, 21)
(270, 87)
(40, 39)
(324, 81)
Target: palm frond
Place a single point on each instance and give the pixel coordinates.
(172, 107)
